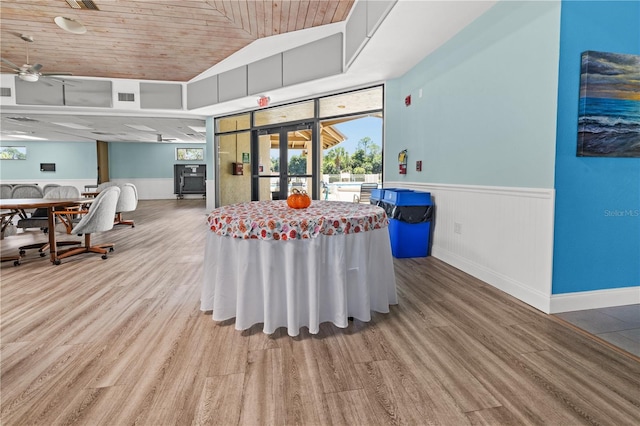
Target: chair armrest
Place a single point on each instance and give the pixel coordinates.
(67, 216)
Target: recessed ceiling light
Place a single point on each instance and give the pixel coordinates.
(31, 138)
(69, 25)
(73, 126)
(141, 127)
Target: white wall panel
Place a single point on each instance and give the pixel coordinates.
(355, 31)
(7, 81)
(202, 92)
(376, 12)
(505, 238)
(152, 189)
(126, 86)
(321, 58)
(265, 75)
(232, 84)
(160, 95)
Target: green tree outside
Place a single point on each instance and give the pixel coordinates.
(366, 159)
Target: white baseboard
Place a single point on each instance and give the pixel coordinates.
(594, 299)
(520, 291)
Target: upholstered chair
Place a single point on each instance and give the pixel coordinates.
(104, 185)
(98, 218)
(48, 187)
(26, 191)
(127, 202)
(5, 190)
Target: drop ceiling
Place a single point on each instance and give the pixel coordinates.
(179, 40)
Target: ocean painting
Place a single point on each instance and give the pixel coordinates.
(609, 112)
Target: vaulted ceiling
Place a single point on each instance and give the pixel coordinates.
(150, 40)
(176, 40)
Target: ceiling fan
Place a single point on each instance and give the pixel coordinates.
(31, 73)
(161, 139)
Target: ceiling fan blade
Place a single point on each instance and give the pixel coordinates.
(7, 67)
(56, 73)
(35, 68)
(11, 64)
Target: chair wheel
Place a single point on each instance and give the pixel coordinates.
(42, 254)
(16, 262)
(133, 226)
(111, 249)
(57, 262)
(22, 252)
(104, 256)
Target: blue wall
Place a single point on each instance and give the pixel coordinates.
(146, 160)
(487, 113)
(78, 160)
(74, 160)
(597, 220)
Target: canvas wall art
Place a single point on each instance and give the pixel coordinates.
(190, 154)
(609, 112)
(13, 153)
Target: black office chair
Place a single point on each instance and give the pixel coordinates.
(39, 219)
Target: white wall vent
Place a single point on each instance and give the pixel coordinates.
(126, 97)
(5, 91)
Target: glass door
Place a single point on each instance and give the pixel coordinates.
(285, 162)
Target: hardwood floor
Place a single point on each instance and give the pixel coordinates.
(122, 341)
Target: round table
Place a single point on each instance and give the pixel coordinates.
(268, 263)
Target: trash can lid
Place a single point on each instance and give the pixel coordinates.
(407, 198)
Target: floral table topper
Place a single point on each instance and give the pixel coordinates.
(274, 220)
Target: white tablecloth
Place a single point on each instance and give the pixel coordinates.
(298, 283)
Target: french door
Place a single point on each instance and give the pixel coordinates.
(285, 160)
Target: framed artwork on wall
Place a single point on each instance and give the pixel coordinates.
(13, 153)
(609, 111)
(190, 154)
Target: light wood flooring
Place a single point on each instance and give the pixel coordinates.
(122, 341)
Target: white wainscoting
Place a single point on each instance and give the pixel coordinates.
(151, 189)
(155, 189)
(501, 235)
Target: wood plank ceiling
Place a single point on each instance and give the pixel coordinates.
(151, 40)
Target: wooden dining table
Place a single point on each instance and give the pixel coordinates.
(19, 205)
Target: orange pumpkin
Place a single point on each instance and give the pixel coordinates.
(298, 199)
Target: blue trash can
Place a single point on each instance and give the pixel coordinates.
(409, 222)
(376, 196)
